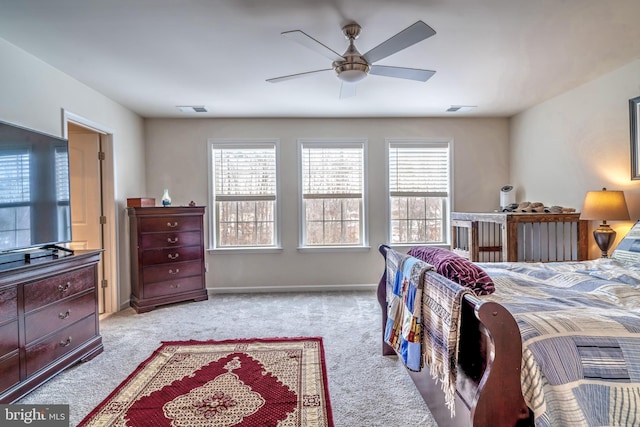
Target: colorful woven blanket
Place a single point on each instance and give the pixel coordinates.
(423, 319)
(403, 330)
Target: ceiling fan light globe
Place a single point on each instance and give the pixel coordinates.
(352, 72)
(352, 76)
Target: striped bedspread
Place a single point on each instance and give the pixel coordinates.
(580, 326)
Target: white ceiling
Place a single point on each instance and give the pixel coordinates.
(151, 55)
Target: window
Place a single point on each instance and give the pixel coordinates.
(244, 192)
(332, 182)
(63, 206)
(419, 183)
(15, 198)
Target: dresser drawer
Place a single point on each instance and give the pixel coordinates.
(170, 223)
(8, 304)
(177, 270)
(52, 289)
(171, 287)
(8, 338)
(57, 345)
(10, 368)
(163, 240)
(169, 255)
(42, 322)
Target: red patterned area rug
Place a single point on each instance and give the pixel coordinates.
(249, 383)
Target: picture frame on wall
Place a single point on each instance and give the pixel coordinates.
(634, 121)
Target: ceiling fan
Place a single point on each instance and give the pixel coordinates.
(352, 66)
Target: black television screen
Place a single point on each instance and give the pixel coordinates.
(34, 189)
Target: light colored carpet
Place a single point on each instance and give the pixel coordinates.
(366, 388)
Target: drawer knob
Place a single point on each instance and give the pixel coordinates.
(176, 286)
(173, 256)
(65, 343)
(65, 287)
(63, 316)
(172, 241)
(174, 272)
(174, 225)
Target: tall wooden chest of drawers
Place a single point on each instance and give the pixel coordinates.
(167, 256)
(48, 319)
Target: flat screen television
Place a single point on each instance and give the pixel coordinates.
(35, 208)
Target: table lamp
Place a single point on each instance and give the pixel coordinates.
(605, 205)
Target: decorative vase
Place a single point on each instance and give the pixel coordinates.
(166, 199)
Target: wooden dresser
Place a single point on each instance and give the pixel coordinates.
(167, 256)
(48, 319)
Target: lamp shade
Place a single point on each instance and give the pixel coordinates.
(605, 205)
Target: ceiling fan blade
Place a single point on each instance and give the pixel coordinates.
(347, 90)
(405, 38)
(296, 76)
(401, 73)
(313, 44)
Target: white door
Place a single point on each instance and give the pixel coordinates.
(86, 194)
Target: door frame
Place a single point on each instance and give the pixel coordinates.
(107, 183)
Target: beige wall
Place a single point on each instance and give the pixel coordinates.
(177, 159)
(34, 95)
(578, 142)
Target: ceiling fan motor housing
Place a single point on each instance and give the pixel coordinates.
(354, 68)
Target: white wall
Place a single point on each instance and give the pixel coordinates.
(177, 159)
(33, 96)
(578, 142)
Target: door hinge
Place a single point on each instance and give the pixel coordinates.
(104, 283)
(101, 155)
(103, 219)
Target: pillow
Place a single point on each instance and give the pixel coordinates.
(455, 268)
(628, 250)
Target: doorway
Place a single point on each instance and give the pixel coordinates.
(92, 200)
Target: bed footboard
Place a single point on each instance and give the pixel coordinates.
(488, 389)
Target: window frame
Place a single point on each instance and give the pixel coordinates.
(213, 222)
(448, 208)
(364, 220)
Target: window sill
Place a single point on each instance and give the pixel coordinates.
(311, 249)
(407, 246)
(248, 250)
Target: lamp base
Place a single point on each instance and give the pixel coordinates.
(604, 236)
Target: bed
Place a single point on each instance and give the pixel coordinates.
(556, 344)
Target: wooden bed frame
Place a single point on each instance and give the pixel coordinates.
(488, 389)
(528, 237)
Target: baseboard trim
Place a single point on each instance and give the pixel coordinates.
(266, 289)
(297, 288)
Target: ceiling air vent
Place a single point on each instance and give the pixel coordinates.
(460, 108)
(192, 108)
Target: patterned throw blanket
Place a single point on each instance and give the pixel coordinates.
(423, 321)
(403, 330)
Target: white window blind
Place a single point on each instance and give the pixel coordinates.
(62, 174)
(245, 173)
(14, 177)
(419, 169)
(335, 171)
